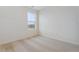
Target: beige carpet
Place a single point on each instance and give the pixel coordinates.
(39, 44)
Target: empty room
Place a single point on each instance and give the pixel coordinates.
(39, 29)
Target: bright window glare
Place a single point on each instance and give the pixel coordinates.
(31, 19)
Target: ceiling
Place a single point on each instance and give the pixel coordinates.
(36, 7)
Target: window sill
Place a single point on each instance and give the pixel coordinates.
(31, 29)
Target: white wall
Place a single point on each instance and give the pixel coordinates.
(13, 24)
(59, 23)
(77, 16)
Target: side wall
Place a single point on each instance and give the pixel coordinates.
(13, 24)
(59, 23)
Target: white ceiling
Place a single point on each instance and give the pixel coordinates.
(38, 7)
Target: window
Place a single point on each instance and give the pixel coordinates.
(31, 20)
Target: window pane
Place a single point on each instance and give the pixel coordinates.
(31, 20)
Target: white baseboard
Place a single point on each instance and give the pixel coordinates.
(61, 39)
(17, 39)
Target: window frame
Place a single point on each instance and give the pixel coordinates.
(33, 12)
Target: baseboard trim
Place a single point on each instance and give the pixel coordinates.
(25, 38)
(61, 40)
